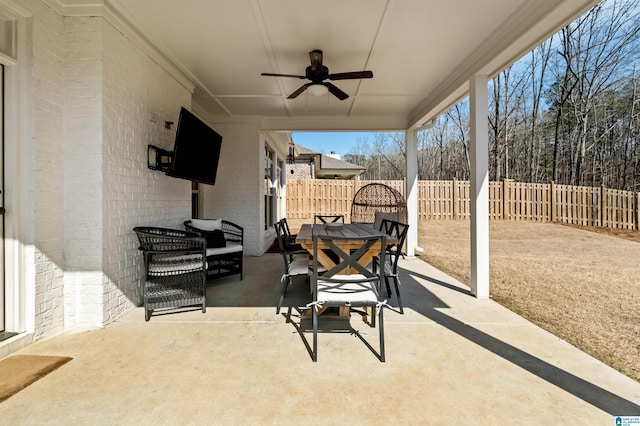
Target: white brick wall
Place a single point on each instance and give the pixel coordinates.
(48, 166)
(236, 194)
(138, 97)
(91, 93)
(94, 102)
(83, 164)
(118, 99)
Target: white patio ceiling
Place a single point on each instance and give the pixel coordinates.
(421, 52)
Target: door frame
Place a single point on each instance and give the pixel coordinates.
(19, 250)
(2, 240)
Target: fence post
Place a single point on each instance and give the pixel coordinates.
(305, 205)
(603, 204)
(552, 201)
(503, 193)
(506, 198)
(455, 195)
(636, 199)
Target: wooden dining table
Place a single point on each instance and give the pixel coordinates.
(355, 230)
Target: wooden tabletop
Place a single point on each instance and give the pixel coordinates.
(355, 230)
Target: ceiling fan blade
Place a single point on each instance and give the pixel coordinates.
(335, 91)
(268, 74)
(351, 75)
(316, 60)
(300, 90)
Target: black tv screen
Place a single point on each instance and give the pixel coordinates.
(196, 150)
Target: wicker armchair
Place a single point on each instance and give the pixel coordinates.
(175, 268)
(224, 245)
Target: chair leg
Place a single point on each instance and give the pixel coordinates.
(381, 326)
(386, 282)
(284, 292)
(396, 281)
(373, 317)
(314, 355)
(147, 311)
(204, 291)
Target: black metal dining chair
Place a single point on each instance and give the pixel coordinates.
(348, 283)
(393, 254)
(296, 262)
(327, 218)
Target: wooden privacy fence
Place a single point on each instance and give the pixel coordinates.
(508, 200)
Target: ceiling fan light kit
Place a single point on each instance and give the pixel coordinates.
(317, 73)
(318, 89)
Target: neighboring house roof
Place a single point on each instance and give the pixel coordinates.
(327, 162)
(328, 166)
(304, 151)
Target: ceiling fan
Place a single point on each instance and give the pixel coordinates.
(318, 73)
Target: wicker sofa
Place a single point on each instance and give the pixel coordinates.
(175, 268)
(224, 245)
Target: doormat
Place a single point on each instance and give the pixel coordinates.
(19, 371)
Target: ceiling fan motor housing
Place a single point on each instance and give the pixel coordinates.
(317, 76)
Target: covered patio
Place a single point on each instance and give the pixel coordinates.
(450, 359)
(88, 85)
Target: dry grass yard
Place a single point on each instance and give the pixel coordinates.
(583, 285)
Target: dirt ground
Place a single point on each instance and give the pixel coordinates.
(581, 284)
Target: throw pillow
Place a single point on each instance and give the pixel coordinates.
(207, 224)
(216, 239)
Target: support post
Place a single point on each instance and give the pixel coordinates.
(479, 154)
(411, 190)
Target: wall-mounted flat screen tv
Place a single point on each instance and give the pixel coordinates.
(196, 150)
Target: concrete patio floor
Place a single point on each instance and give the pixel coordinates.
(451, 359)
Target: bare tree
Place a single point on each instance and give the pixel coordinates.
(569, 111)
(594, 47)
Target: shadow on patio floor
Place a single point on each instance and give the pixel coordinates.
(451, 358)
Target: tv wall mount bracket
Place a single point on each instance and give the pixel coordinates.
(158, 158)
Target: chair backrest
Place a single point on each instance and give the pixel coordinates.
(285, 245)
(324, 218)
(231, 232)
(351, 260)
(280, 235)
(285, 227)
(283, 237)
(168, 240)
(172, 250)
(376, 197)
(399, 231)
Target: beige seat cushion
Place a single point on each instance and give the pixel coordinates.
(347, 292)
(207, 224)
(230, 248)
